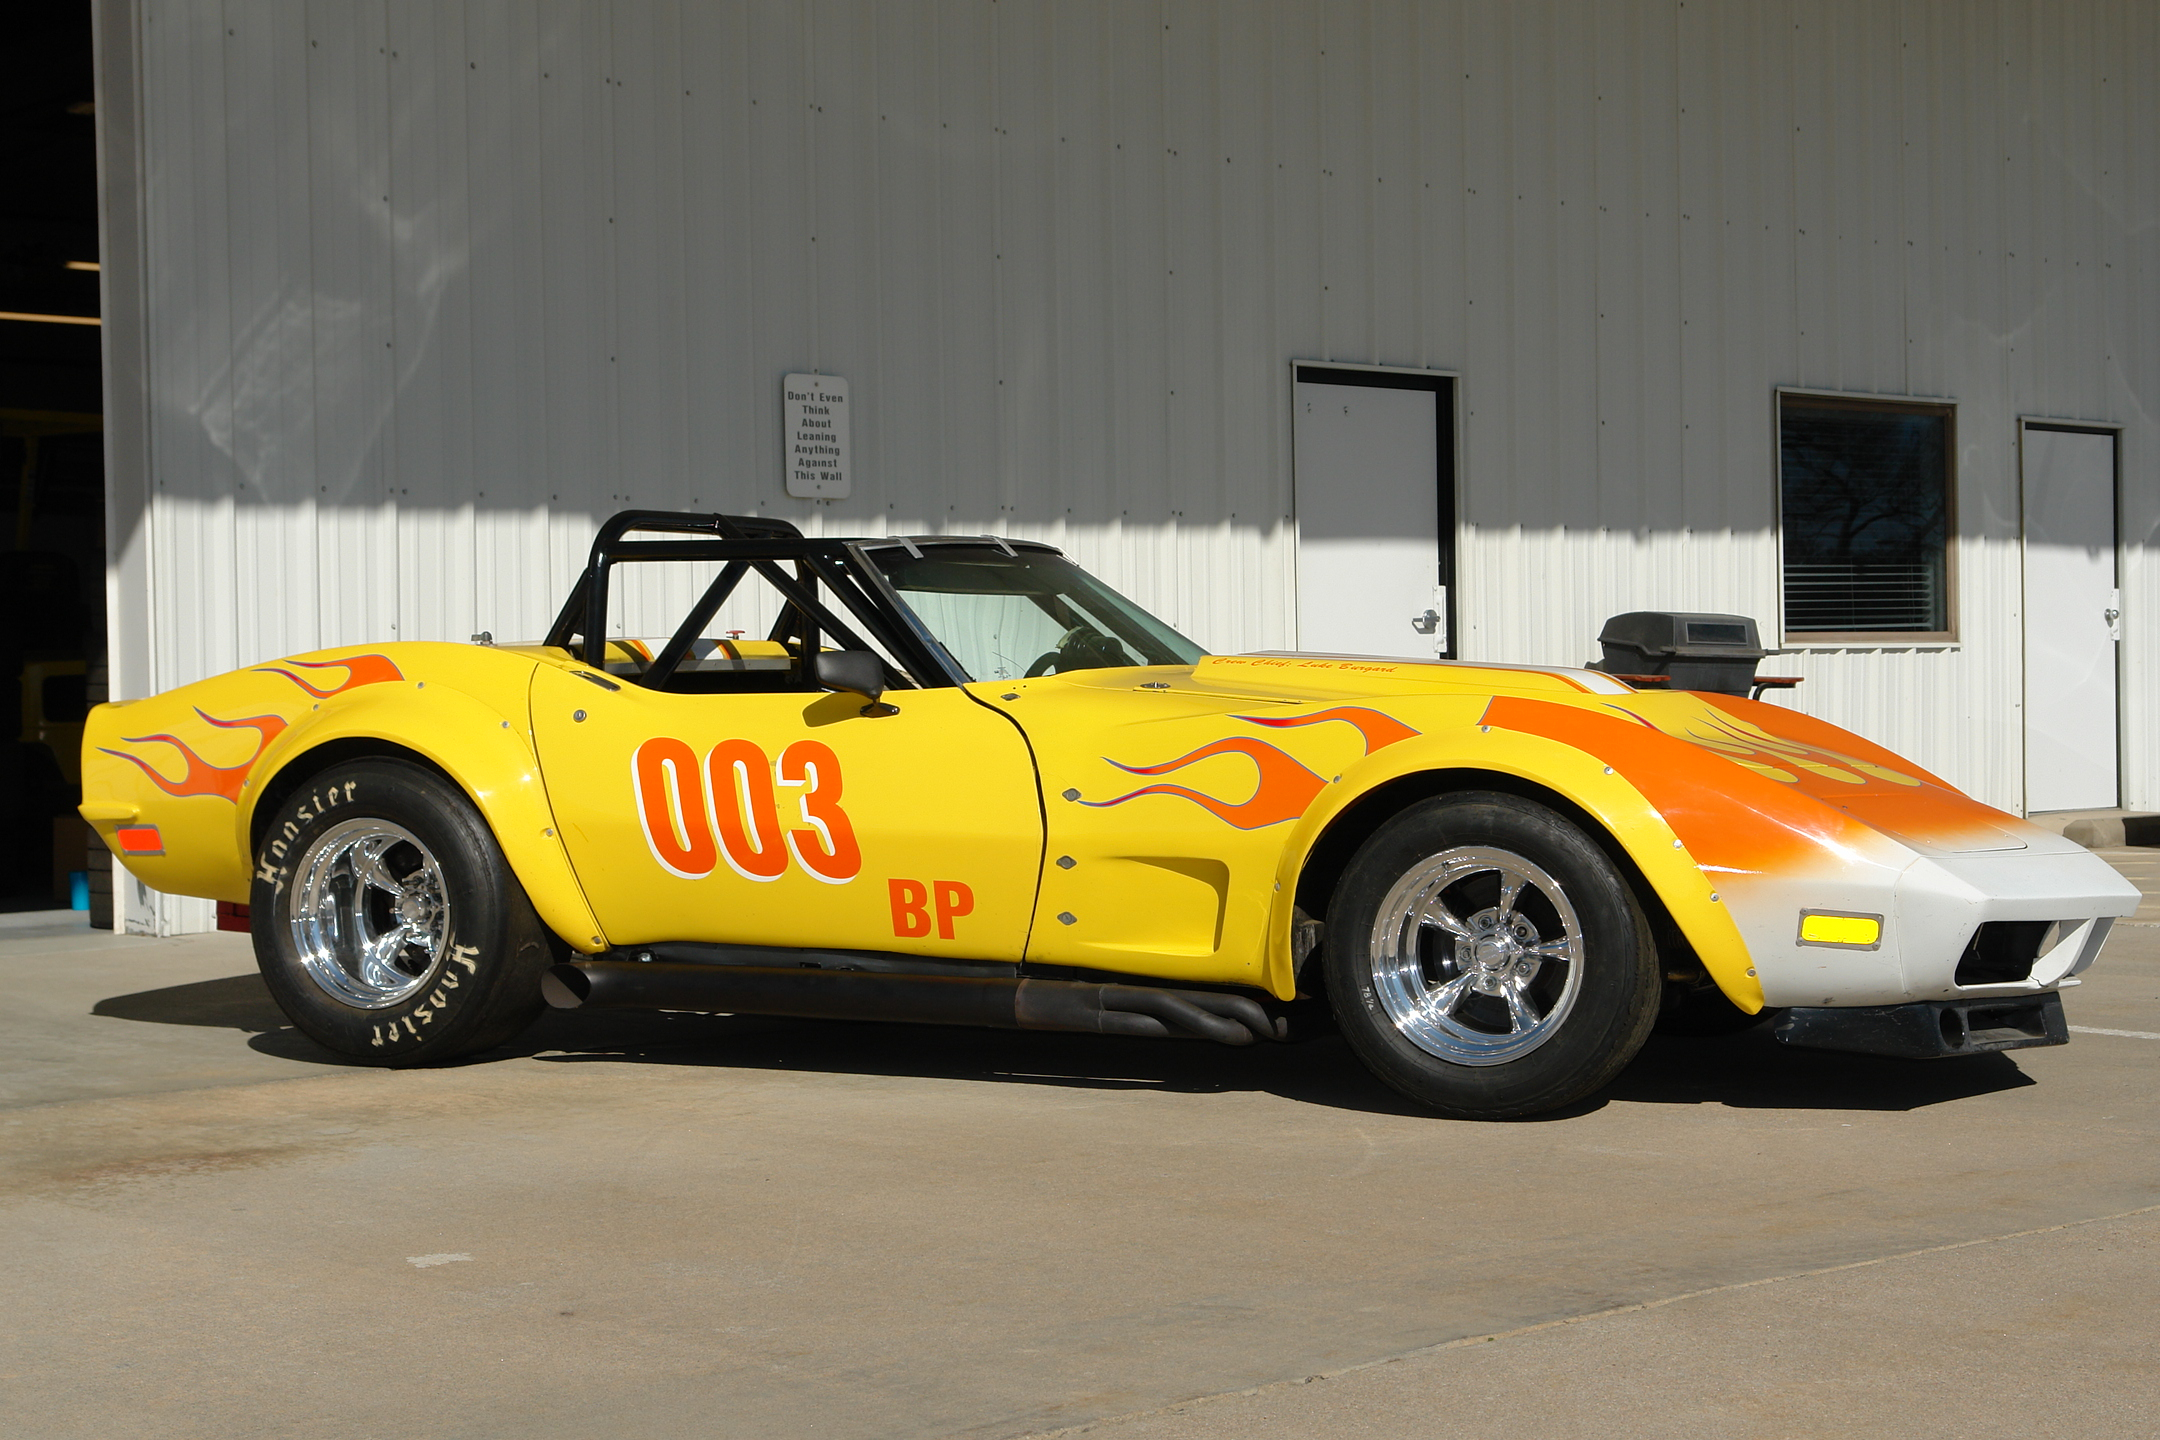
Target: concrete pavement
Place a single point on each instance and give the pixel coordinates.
(679, 1225)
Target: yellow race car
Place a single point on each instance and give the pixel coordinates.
(955, 779)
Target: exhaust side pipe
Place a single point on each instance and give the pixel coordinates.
(992, 1002)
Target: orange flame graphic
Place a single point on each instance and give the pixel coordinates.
(1285, 788)
(359, 670)
(202, 777)
(1380, 731)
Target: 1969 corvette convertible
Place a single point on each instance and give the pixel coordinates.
(953, 779)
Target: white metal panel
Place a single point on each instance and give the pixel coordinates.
(433, 286)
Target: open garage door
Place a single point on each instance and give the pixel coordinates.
(1374, 456)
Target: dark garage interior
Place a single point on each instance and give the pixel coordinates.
(51, 450)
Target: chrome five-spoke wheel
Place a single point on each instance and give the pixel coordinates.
(1476, 955)
(370, 917)
(1491, 960)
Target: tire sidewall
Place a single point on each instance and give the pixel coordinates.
(462, 1001)
(1617, 997)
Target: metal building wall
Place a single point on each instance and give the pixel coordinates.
(421, 290)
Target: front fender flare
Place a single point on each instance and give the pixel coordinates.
(1585, 781)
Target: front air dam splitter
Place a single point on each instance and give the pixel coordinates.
(1930, 1029)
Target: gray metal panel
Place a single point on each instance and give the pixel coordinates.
(431, 287)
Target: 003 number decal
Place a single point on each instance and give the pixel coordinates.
(728, 808)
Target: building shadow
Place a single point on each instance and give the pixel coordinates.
(1746, 1071)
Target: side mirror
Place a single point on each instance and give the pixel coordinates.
(856, 670)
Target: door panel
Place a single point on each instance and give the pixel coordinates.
(2070, 594)
(794, 819)
(1370, 542)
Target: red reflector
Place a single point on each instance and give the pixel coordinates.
(139, 840)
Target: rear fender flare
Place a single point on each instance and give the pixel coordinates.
(484, 752)
(1584, 781)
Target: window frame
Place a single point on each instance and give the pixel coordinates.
(1877, 404)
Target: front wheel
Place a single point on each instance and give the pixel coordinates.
(388, 926)
(1488, 959)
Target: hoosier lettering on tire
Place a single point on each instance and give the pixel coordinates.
(387, 924)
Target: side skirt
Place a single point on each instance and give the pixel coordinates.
(841, 985)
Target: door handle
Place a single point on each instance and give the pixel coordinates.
(1427, 623)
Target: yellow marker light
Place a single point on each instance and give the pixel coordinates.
(1837, 927)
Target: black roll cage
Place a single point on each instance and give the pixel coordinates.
(794, 565)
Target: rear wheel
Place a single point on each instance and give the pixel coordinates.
(387, 924)
(1488, 959)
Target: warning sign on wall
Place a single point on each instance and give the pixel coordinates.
(814, 430)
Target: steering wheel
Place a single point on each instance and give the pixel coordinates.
(1077, 649)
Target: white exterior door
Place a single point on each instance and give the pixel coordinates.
(1372, 452)
(2072, 619)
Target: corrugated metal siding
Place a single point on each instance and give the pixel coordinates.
(432, 287)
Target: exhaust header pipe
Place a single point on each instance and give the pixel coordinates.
(993, 1002)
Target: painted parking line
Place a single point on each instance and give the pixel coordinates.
(2125, 1034)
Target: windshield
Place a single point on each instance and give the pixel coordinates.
(1031, 612)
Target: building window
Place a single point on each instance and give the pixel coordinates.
(1865, 511)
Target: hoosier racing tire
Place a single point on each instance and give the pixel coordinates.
(1486, 958)
(387, 924)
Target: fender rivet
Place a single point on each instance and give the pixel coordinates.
(1072, 794)
(1066, 862)
(1713, 897)
(578, 715)
(1066, 917)
(1608, 769)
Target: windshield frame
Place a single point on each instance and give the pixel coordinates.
(917, 546)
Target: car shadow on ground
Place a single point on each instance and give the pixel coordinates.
(1752, 1071)
(1747, 1071)
(235, 1002)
